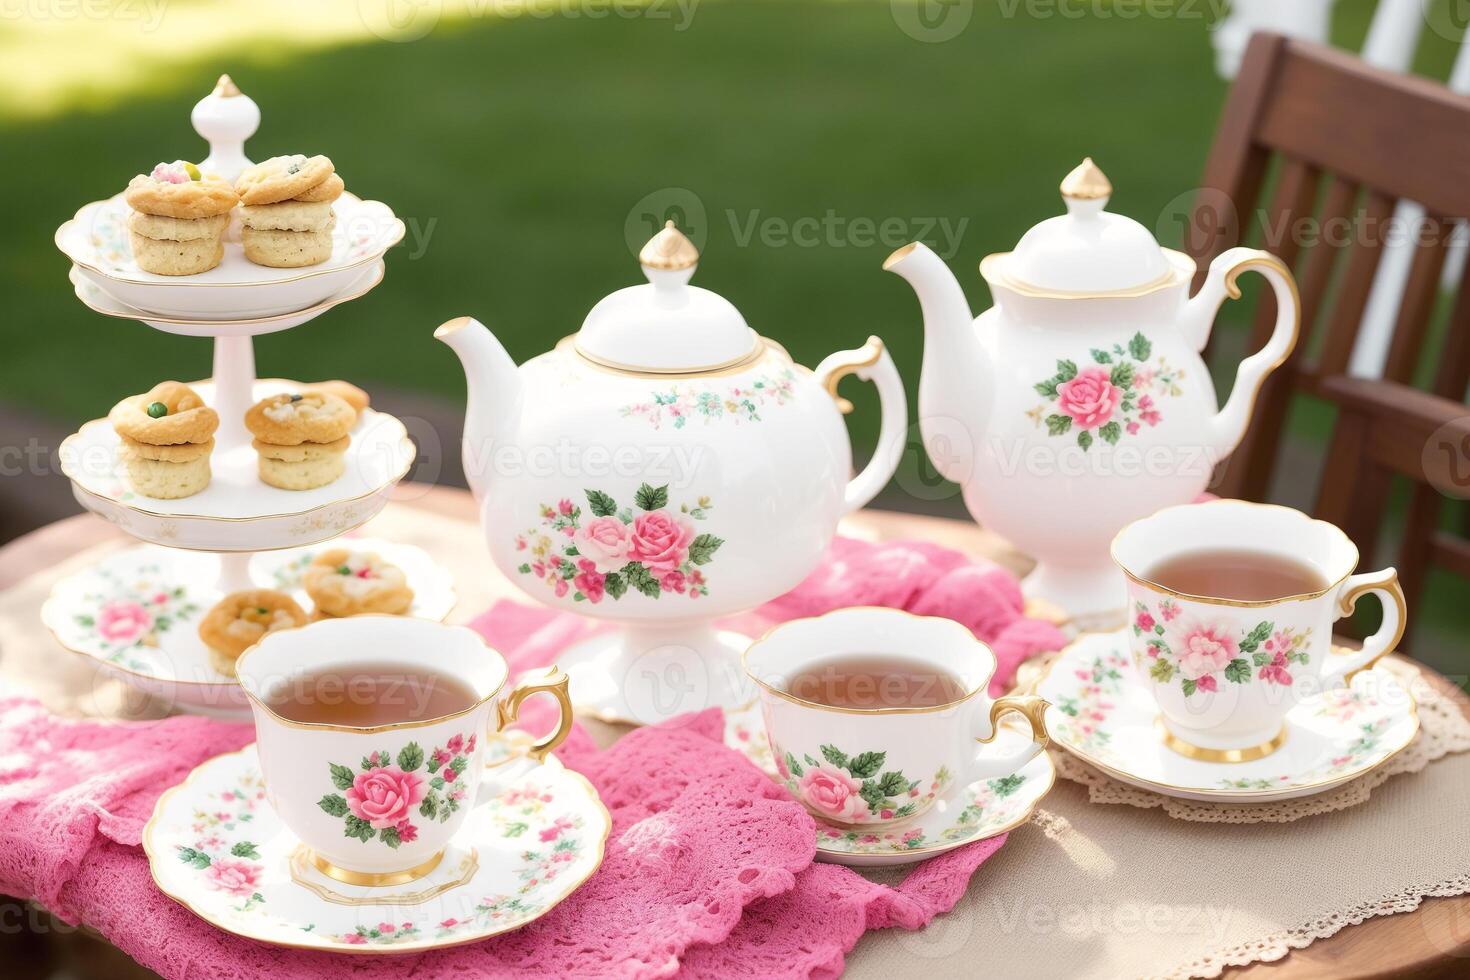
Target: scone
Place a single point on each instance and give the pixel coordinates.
(349, 583)
(178, 219)
(165, 437)
(302, 467)
(241, 619)
(301, 438)
(286, 214)
(349, 393)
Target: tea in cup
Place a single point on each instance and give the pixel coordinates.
(371, 734)
(1231, 608)
(873, 714)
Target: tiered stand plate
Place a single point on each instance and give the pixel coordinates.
(148, 638)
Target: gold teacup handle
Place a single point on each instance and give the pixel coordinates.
(1395, 614)
(1029, 706)
(554, 682)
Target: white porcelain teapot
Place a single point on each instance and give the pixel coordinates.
(663, 467)
(1079, 403)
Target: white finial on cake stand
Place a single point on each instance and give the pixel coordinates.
(226, 118)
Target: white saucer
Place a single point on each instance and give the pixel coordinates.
(137, 611)
(216, 847)
(237, 511)
(99, 300)
(1101, 714)
(96, 240)
(961, 816)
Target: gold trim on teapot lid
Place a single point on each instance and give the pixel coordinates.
(670, 249)
(1086, 182)
(226, 88)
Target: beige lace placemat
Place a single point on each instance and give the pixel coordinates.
(1443, 729)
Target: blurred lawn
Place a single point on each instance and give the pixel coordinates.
(517, 150)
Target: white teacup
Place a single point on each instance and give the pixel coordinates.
(869, 766)
(1226, 671)
(377, 806)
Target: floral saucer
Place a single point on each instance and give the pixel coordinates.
(216, 847)
(1101, 714)
(137, 611)
(960, 816)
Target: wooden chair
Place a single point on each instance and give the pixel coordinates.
(1346, 143)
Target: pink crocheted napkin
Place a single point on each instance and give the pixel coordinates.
(709, 867)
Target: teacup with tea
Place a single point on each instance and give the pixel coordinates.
(371, 734)
(874, 714)
(1231, 608)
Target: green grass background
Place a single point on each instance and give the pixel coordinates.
(520, 147)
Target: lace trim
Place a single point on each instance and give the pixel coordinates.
(1270, 948)
(1444, 729)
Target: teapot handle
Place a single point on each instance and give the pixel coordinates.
(870, 362)
(1228, 426)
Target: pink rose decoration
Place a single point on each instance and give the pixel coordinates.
(660, 541)
(832, 793)
(407, 832)
(120, 621)
(1276, 671)
(590, 583)
(1205, 650)
(1145, 621)
(385, 796)
(233, 875)
(1089, 398)
(604, 541)
(1205, 683)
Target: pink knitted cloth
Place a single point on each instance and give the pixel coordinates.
(729, 890)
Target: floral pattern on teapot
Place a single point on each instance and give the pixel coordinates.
(645, 548)
(1201, 656)
(1118, 393)
(677, 404)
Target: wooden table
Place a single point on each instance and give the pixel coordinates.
(1433, 941)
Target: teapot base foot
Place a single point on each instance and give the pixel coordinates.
(1094, 597)
(641, 676)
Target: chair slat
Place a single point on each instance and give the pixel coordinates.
(1347, 309)
(1421, 289)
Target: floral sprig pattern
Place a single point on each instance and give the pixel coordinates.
(1203, 656)
(130, 614)
(1117, 394)
(380, 799)
(232, 867)
(677, 404)
(1087, 711)
(992, 804)
(855, 789)
(645, 548)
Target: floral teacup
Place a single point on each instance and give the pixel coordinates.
(878, 765)
(1225, 672)
(377, 806)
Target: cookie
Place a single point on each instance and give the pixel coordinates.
(177, 229)
(287, 249)
(347, 583)
(166, 472)
(349, 393)
(287, 216)
(305, 466)
(291, 418)
(328, 190)
(282, 178)
(241, 619)
(164, 257)
(169, 414)
(178, 190)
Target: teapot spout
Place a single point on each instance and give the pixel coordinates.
(955, 370)
(493, 408)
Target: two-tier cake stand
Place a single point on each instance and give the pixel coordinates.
(136, 611)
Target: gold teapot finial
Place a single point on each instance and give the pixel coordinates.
(226, 88)
(669, 249)
(1086, 182)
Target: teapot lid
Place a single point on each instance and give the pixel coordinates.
(1087, 251)
(666, 326)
